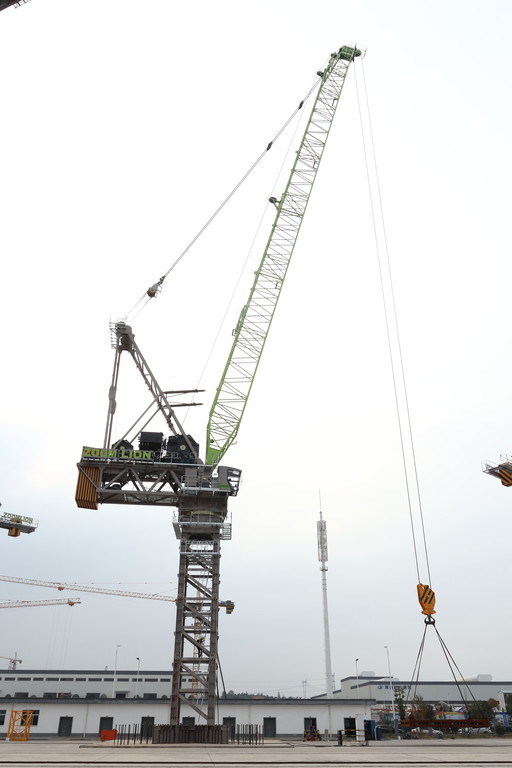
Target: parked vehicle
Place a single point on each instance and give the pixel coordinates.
(473, 731)
(431, 731)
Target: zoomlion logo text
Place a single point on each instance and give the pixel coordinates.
(16, 518)
(115, 453)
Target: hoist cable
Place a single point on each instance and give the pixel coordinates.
(450, 661)
(417, 668)
(397, 327)
(148, 299)
(388, 332)
(242, 270)
(392, 310)
(230, 195)
(449, 657)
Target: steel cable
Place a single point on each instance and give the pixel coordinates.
(388, 332)
(241, 273)
(395, 316)
(228, 198)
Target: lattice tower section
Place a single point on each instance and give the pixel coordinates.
(196, 636)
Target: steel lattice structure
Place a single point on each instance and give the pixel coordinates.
(256, 316)
(194, 679)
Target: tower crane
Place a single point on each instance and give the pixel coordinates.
(60, 585)
(169, 472)
(13, 661)
(35, 603)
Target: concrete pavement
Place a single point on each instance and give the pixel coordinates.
(58, 753)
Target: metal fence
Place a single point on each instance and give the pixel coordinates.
(134, 734)
(247, 734)
(182, 734)
(190, 734)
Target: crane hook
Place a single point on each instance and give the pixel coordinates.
(427, 600)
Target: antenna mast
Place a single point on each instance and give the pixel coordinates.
(323, 557)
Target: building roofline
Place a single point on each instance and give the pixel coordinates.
(165, 701)
(86, 672)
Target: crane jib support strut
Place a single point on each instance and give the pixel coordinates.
(255, 319)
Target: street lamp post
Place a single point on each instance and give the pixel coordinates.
(357, 678)
(392, 694)
(137, 678)
(115, 672)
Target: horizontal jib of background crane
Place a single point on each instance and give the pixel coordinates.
(116, 453)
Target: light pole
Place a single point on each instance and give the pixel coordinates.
(137, 678)
(357, 678)
(393, 713)
(115, 672)
(391, 686)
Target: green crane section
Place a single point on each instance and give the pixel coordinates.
(256, 317)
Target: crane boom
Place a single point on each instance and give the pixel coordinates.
(35, 603)
(253, 325)
(81, 588)
(197, 601)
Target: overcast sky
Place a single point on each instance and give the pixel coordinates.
(124, 124)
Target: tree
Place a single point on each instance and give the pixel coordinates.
(508, 703)
(400, 701)
(420, 709)
(482, 710)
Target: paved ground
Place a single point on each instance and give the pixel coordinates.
(55, 754)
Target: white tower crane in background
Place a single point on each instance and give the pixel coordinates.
(13, 660)
(61, 585)
(35, 603)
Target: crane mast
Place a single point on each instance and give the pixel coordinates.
(256, 316)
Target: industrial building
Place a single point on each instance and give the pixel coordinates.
(80, 703)
(377, 688)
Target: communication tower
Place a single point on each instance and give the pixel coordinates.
(321, 528)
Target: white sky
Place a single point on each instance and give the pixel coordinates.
(123, 126)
